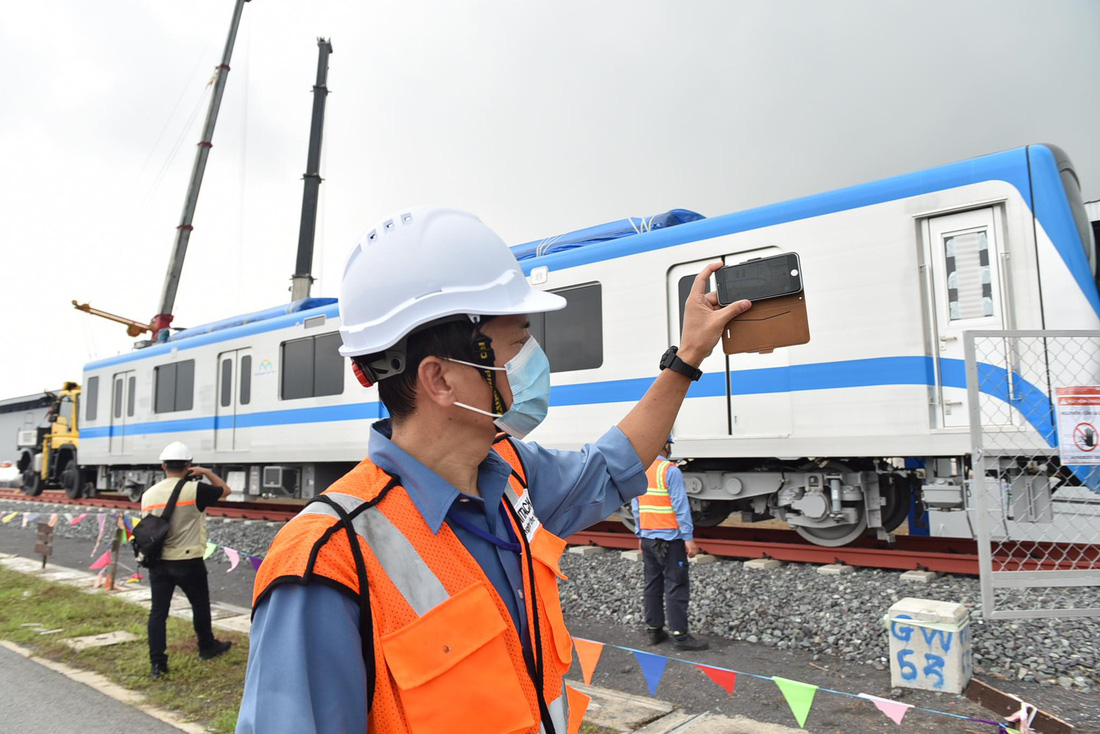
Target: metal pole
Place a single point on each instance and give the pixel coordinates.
(183, 232)
(302, 279)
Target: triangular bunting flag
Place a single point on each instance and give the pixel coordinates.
(134, 523)
(727, 679)
(9, 517)
(653, 668)
(101, 562)
(53, 520)
(588, 654)
(255, 562)
(210, 548)
(800, 696)
(102, 521)
(234, 558)
(893, 709)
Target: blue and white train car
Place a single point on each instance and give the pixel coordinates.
(895, 271)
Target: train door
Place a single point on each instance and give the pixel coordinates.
(705, 414)
(123, 394)
(964, 251)
(234, 393)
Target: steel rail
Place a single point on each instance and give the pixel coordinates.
(270, 511)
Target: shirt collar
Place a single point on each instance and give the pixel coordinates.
(431, 494)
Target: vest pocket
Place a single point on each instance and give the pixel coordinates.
(453, 670)
(546, 549)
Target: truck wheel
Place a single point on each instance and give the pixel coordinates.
(71, 480)
(32, 483)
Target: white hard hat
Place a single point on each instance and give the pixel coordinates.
(176, 451)
(424, 264)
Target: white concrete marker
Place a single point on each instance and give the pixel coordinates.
(835, 569)
(920, 577)
(585, 550)
(929, 645)
(762, 564)
(703, 559)
(631, 555)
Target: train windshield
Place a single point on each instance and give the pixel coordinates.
(1072, 187)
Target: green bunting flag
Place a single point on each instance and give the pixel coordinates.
(210, 548)
(800, 696)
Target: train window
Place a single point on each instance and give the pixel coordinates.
(175, 387)
(329, 367)
(132, 387)
(312, 367)
(117, 397)
(91, 398)
(246, 380)
(227, 381)
(683, 288)
(572, 337)
(969, 277)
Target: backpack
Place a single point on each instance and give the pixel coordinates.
(151, 533)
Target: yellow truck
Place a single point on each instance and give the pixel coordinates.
(48, 453)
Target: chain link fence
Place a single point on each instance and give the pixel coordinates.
(1034, 403)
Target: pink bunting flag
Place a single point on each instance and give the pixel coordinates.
(893, 709)
(588, 653)
(255, 562)
(78, 518)
(102, 517)
(234, 558)
(101, 562)
(727, 679)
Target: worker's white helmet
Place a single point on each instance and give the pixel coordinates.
(424, 264)
(176, 451)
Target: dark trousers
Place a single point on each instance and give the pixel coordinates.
(190, 576)
(666, 581)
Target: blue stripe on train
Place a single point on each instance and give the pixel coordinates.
(1029, 400)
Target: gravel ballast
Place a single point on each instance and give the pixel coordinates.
(793, 607)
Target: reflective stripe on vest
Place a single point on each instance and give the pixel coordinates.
(437, 624)
(655, 511)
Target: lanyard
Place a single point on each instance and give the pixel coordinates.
(466, 525)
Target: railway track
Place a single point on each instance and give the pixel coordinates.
(907, 552)
(271, 511)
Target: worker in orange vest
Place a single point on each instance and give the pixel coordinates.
(418, 593)
(663, 522)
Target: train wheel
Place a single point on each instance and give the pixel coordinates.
(32, 483)
(134, 491)
(71, 481)
(709, 513)
(836, 535)
(898, 497)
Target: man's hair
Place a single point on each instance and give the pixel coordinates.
(452, 339)
(176, 465)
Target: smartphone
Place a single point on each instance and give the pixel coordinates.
(761, 278)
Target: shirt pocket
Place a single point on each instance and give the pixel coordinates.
(453, 670)
(546, 549)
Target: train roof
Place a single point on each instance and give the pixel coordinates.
(601, 233)
(304, 304)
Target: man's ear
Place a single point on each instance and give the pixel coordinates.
(433, 382)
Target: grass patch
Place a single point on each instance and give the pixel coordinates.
(207, 692)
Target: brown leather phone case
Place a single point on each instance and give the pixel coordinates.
(768, 325)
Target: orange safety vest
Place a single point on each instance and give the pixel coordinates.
(655, 506)
(447, 655)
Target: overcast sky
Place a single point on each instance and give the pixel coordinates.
(539, 117)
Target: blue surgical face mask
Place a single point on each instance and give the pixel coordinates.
(529, 377)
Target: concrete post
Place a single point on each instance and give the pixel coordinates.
(929, 645)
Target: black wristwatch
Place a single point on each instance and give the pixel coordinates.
(669, 360)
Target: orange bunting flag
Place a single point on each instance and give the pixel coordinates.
(588, 653)
(726, 679)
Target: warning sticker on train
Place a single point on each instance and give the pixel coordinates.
(1078, 418)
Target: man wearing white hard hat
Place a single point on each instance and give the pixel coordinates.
(181, 562)
(419, 592)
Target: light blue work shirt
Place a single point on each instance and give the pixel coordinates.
(678, 495)
(306, 671)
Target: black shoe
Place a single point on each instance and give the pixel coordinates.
(685, 641)
(656, 636)
(215, 650)
(159, 670)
